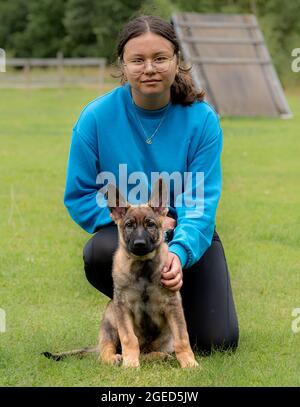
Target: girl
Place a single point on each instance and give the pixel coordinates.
(156, 122)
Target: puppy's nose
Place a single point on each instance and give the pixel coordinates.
(139, 243)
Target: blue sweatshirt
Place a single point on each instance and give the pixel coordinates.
(108, 135)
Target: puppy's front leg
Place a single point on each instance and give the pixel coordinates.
(182, 347)
(129, 341)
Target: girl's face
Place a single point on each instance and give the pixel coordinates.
(150, 88)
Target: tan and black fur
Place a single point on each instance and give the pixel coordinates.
(144, 317)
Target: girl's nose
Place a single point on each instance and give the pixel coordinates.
(149, 66)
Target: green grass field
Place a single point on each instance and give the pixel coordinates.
(50, 305)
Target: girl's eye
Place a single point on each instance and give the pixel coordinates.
(136, 61)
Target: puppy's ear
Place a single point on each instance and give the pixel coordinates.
(159, 197)
(116, 203)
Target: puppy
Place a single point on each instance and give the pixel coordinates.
(144, 317)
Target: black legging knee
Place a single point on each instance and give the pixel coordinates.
(206, 292)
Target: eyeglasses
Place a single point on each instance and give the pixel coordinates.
(160, 64)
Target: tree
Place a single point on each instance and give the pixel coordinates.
(44, 31)
(40, 28)
(92, 27)
(110, 17)
(13, 20)
(80, 39)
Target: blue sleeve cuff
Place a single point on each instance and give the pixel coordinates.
(180, 252)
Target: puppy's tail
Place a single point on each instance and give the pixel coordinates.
(76, 352)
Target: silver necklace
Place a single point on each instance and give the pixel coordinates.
(148, 140)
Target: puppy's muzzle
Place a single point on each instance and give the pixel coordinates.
(140, 247)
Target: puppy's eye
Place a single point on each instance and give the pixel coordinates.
(150, 223)
(129, 224)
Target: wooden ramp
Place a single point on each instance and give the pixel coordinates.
(231, 63)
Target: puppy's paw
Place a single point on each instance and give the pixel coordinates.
(191, 363)
(117, 359)
(114, 359)
(131, 362)
(188, 361)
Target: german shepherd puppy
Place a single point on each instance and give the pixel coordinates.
(144, 317)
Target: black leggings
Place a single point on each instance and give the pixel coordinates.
(206, 292)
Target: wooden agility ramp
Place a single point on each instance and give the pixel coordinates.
(231, 63)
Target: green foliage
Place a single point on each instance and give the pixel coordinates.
(92, 27)
(281, 26)
(13, 21)
(44, 31)
(41, 28)
(80, 39)
(111, 15)
(161, 8)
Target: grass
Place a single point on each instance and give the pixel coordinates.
(50, 305)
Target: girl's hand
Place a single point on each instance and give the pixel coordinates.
(172, 273)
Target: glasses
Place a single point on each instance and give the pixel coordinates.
(160, 64)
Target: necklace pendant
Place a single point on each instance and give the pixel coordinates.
(149, 141)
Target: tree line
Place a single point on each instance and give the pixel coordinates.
(81, 28)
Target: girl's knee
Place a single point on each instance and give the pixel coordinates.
(97, 257)
(100, 248)
(209, 345)
(88, 252)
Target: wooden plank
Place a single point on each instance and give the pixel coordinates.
(84, 62)
(241, 92)
(219, 40)
(55, 61)
(16, 62)
(59, 63)
(231, 61)
(198, 73)
(271, 78)
(187, 56)
(237, 71)
(43, 62)
(216, 25)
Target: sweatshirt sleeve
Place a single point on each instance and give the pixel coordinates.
(81, 189)
(195, 223)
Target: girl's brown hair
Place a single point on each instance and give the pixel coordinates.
(183, 90)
